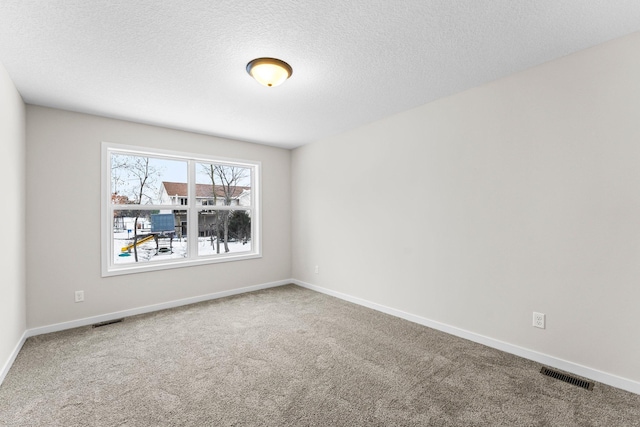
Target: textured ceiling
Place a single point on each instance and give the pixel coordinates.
(181, 64)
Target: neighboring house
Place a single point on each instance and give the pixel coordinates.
(118, 219)
(175, 193)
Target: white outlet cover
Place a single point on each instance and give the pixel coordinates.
(539, 320)
(79, 296)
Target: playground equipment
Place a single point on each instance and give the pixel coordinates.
(162, 227)
(142, 240)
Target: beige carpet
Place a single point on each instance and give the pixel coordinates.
(287, 357)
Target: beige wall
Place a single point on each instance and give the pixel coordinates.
(63, 219)
(12, 214)
(517, 196)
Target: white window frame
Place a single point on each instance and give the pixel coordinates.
(109, 268)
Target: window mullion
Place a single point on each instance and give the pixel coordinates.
(192, 211)
(109, 230)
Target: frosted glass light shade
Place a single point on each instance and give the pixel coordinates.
(269, 71)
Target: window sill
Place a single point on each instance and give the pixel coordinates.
(151, 266)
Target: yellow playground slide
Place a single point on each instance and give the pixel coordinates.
(144, 239)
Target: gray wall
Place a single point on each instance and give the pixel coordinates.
(63, 219)
(12, 216)
(517, 196)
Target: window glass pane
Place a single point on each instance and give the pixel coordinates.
(152, 198)
(147, 180)
(224, 231)
(222, 185)
(147, 236)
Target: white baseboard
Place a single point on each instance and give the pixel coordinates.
(12, 357)
(545, 359)
(148, 309)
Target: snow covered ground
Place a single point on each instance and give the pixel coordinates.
(147, 250)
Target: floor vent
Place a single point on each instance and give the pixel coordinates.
(108, 322)
(567, 378)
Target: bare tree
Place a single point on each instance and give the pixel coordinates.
(118, 164)
(225, 182)
(215, 225)
(139, 179)
(229, 177)
(116, 198)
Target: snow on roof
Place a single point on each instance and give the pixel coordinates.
(202, 190)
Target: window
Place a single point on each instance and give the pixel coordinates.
(166, 209)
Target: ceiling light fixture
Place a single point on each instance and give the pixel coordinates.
(269, 71)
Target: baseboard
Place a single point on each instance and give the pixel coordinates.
(148, 309)
(12, 357)
(545, 359)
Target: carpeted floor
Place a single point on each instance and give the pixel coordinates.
(287, 356)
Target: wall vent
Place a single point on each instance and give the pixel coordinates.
(108, 322)
(567, 378)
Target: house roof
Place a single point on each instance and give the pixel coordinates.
(202, 190)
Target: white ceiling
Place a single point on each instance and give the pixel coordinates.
(181, 63)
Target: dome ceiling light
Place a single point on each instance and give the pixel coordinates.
(269, 71)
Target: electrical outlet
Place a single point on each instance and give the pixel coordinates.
(316, 270)
(79, 296)
(538, 320)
